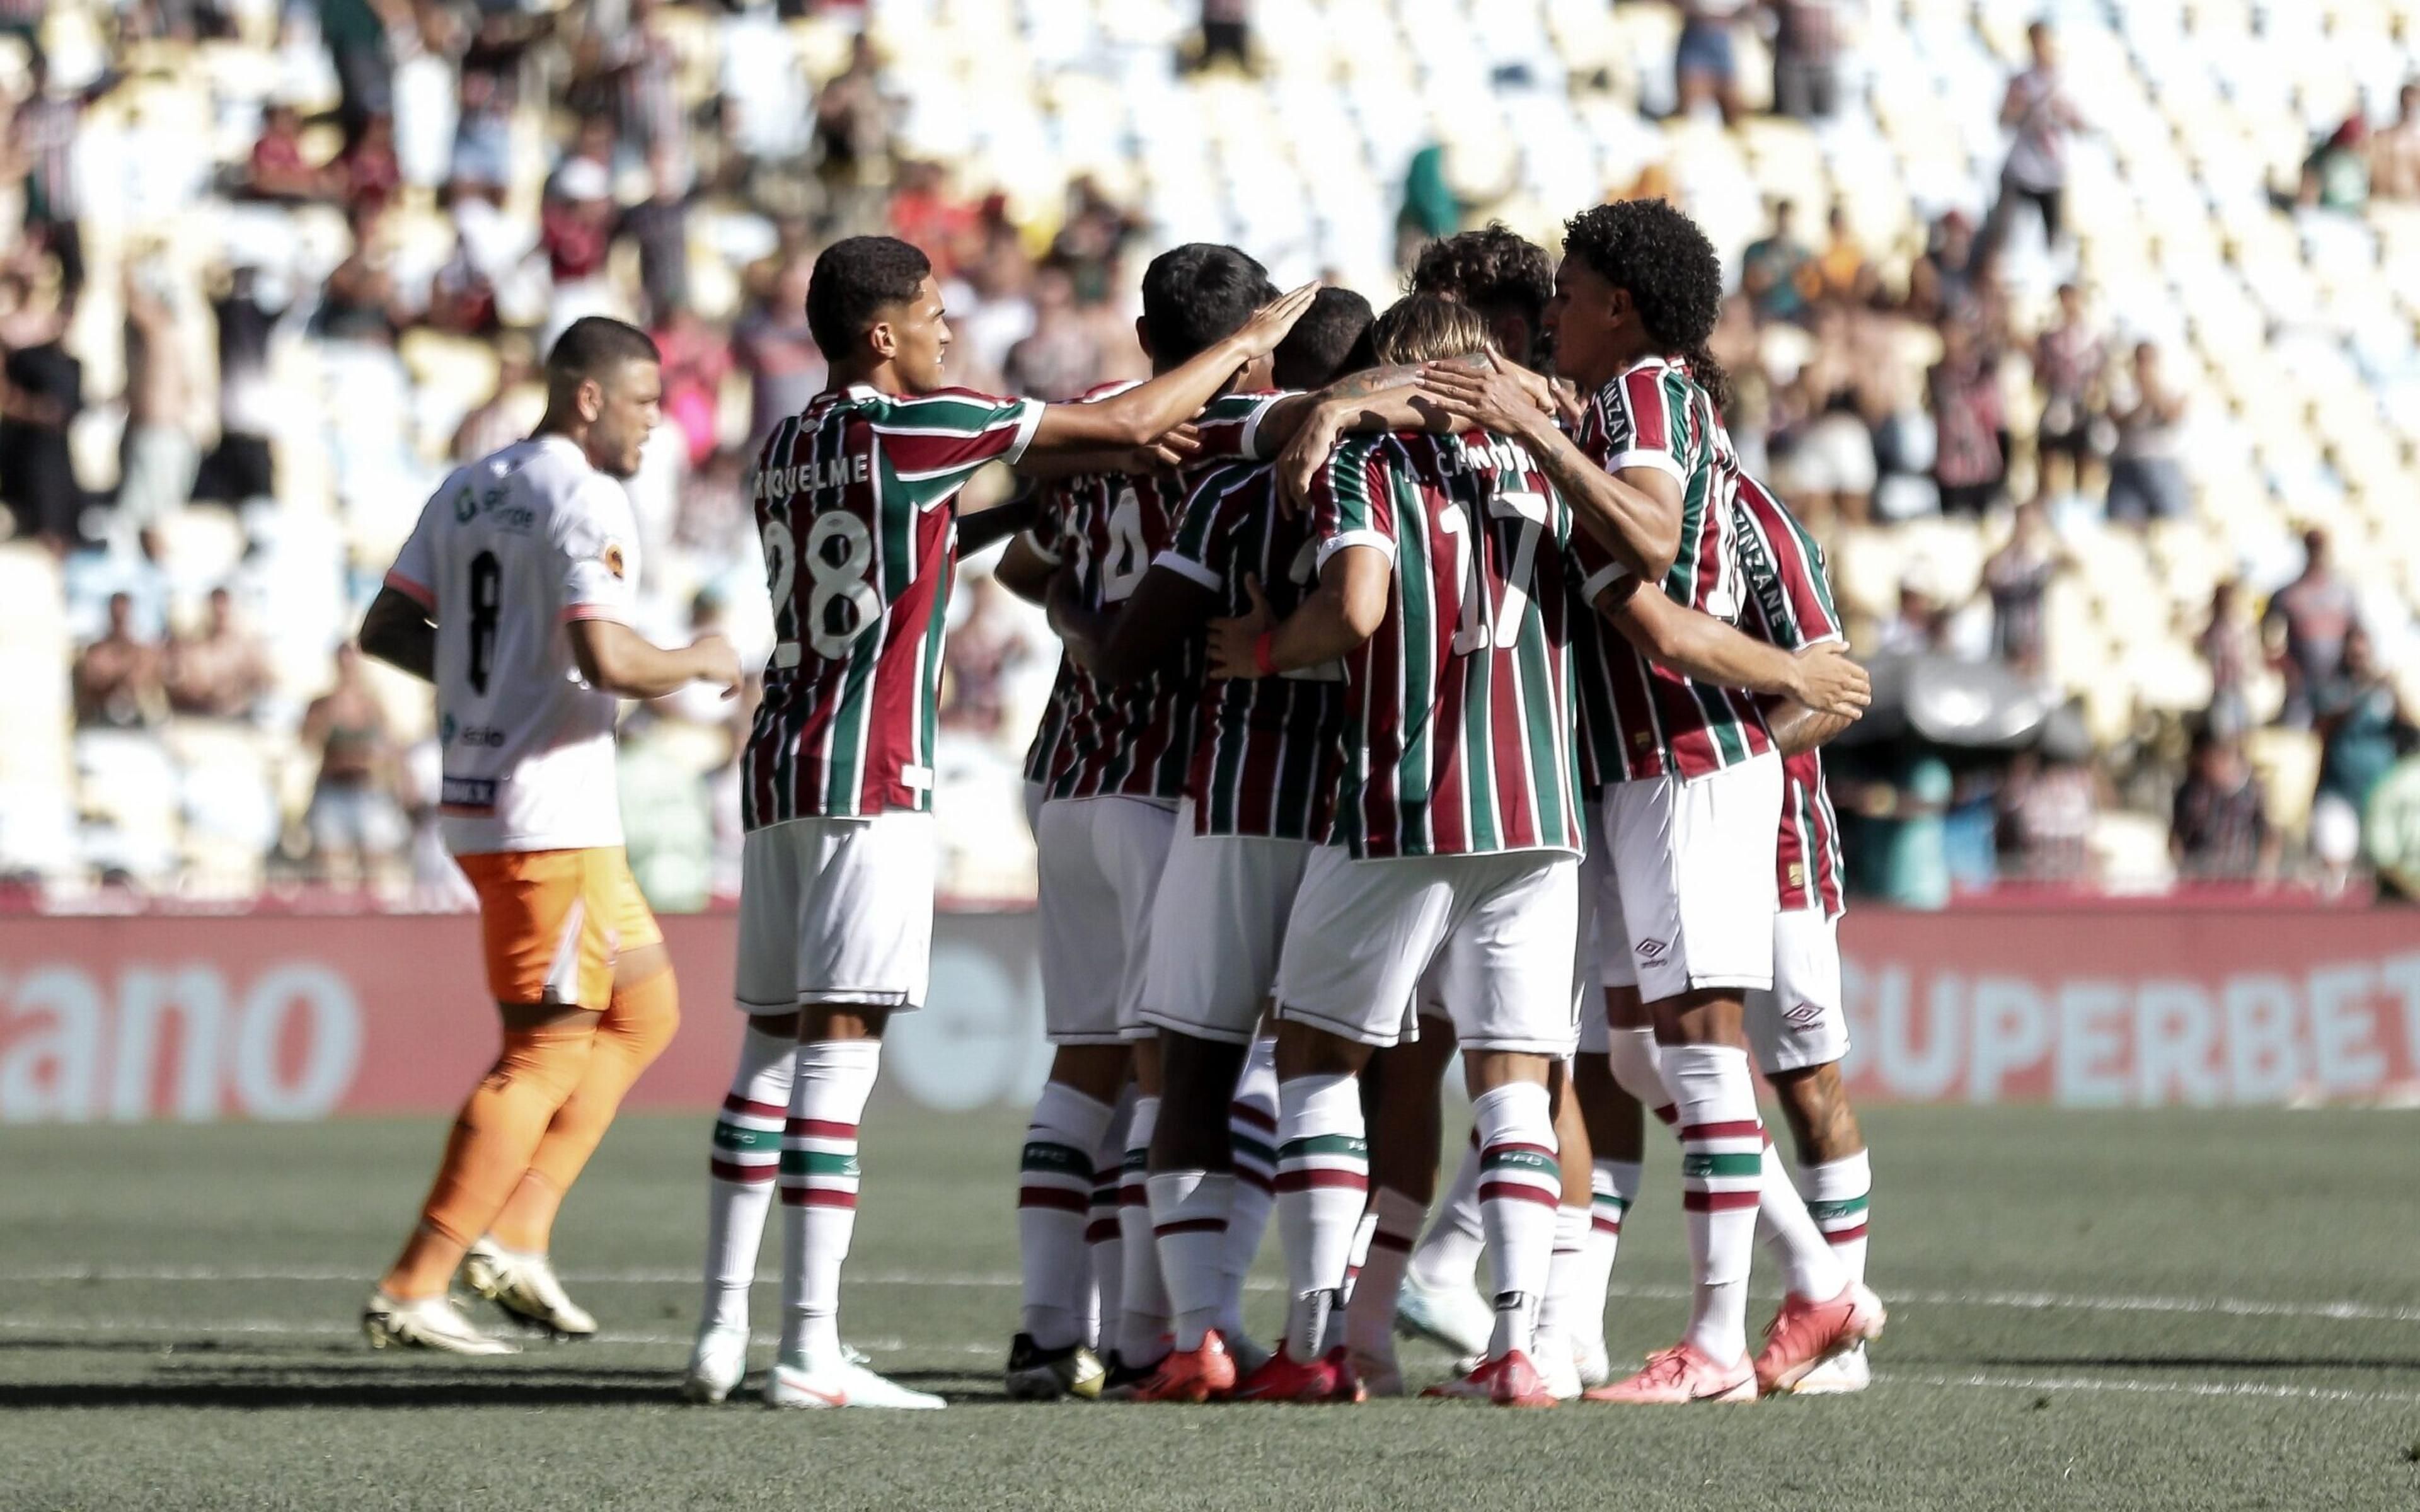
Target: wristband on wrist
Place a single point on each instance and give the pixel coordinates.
(1261, 662)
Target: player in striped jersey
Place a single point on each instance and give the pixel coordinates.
(854, 503)
(1109, 764)
(1261, 777)
(1692, 793)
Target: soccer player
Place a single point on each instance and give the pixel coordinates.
(1261, 777)
(1441, 564)
(1110, 762)
(854, 505)
(514, 595)
(1693, 780)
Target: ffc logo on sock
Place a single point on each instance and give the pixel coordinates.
(1044, 1156)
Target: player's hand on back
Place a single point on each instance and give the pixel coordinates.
(1505, 397)
(1234, 644)
(716, 661)
(1269, 325)
(1829, 682)
(1169, 454)
(1298, 465)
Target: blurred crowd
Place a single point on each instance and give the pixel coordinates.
(406, 200)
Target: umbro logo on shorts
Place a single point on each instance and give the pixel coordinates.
(1803, 1014)
(1651, 950)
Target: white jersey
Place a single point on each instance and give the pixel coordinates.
(508, 553)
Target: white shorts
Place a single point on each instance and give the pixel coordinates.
(1099, 862)
(1694, 865)
(836, 911)
(1600, 922)
(1800, 1021)
(1215, 930)
(1489, 936)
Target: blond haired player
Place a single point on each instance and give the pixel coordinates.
(514, 596)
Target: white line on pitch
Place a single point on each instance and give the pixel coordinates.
(2339, 1311)
(2158, 1388)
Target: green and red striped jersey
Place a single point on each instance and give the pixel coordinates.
(1654, 415)
(1458, 725)
(1790, 604)
(1265, 748)
(853, 500)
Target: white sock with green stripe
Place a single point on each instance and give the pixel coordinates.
(1722, 1164)
(1323, 1184)
(1840, 1194)
(1369, 1317)
(1142, 1294)
(1520, 1187)
(1808, 1267)
(1448, 1256)
(1613, 1186)
(1188, 1227)
(1252, 1135)
(820, 1178)
(745, 1166)
(1054, 1197)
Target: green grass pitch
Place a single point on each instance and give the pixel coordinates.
(2185, 1309)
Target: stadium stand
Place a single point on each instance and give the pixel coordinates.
(283, 265)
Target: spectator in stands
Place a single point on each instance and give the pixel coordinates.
(853, 133)
(2335, 176)
(2017, 578)
(2037, 109)
(157, 457)
(1946, 279)
(1771, 266)
(354, 823)
(773, 346)
(696, 358)
(1964, 394)
(43, 138)
(240, 469)
(1841, 273)
(2068, 357)
(221, 671)
(41, 393)
(1061, 360)
(2147, 479)
(2305, 628)
(1806, 58)
(576, 229)
(2228, 646)
(1705, 63)
(659, 224)
(2218, 829)
(2395, 152)
(2364, 729)
(361, 301)
(1227, 33)
(2047, 807)
(278, 171)
(983, 653)
(1920, 625)
(368, 167)
(507, 414)
(355, 32)
(118, 678)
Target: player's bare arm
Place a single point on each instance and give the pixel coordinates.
(1167, 454)
(1339, 617)
(1634, 513)
(399, 632)
(1124, 643)
(1307, 426)
(1704, 648)
(983, 528)
(1024, 571)
(1145, 414)
(613, 659)
(1797, 729)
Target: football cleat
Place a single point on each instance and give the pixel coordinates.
(1803, 1334)
(810, 1381)
(1248, 1353)
(1379, 1373)
(1284, 1379)
(524, 1286)
(1557, 1365)
(1845, 1372)
(1192, 1375)
(718, 1362)
(1682, 1373)
(1509, 1380)
(1590, 1360)
(428, 1323)
(1039, 1375)
(1457, 1319)
(1120, 1381)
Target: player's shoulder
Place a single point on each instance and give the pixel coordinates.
(933, 408)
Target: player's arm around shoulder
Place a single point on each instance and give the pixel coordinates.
(1354, 531)
(1704, 648)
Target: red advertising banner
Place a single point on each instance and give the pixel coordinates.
(286, 1017)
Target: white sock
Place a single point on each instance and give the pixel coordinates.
(745, 1166)
(1840, 1194)
(1722, 1165)
(1189, 1226)
(1808, 1267)
(1053, 1198)
(1448, 1257)
(1637, 1065)
(819, 1179)
(1323, 1184)
(1252, 1133)
(1142, 1316)
(1520, 1187)
(1370, 1316)
(1332, 1338)
(1103, 1243)
(1562, 1316)
(1613, 1186)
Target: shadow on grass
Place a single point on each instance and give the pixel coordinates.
(401, 1386)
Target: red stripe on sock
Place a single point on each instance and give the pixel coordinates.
(1845, 1235)
(1101, 1231)
(735, 1103)
(1668, 1115)
(1133, 1195)
(796, 1196)
(1606, 1225)
(749, 1175)
(1734, 1129)
(1189, 1225)
(1052, 1197)
(1548, 1150)
(819, 1128)
(1257, 1180)
(1299, 1181)
(1495, 1191)
(1717, 1201)
(1399, 1244)
(1244, 1112)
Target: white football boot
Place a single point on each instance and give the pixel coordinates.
(1845, 1372)
(807, 1379)
(1589, 1359)
(1558, 1366)
(430, 1324)
(718, 1362)
(1458, 1319)
(524, 1286)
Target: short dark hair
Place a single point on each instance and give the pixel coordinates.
(1330, 340)
(854, 278)
(1197, 295)
(1424, 328)
(1493, 269)
(1675, 281)
(595, 342)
